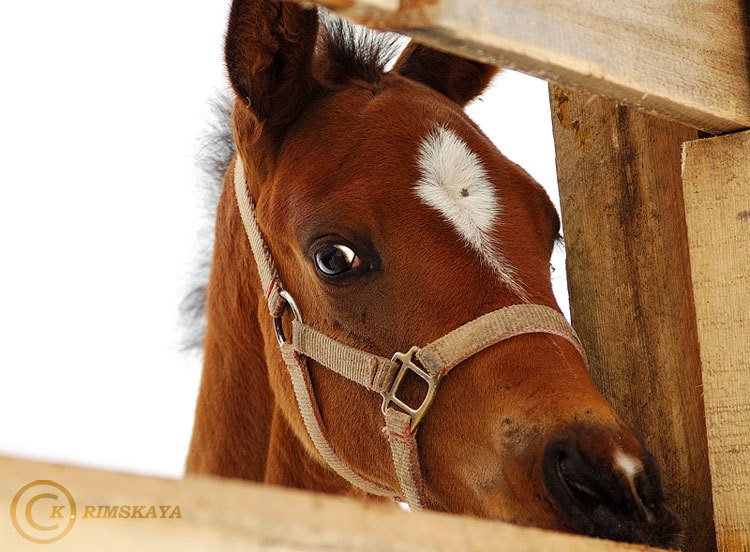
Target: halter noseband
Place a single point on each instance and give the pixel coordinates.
(379, 374)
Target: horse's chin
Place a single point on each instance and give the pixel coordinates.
(664, 532)
(548, 514)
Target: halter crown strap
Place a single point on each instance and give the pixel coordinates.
(380, 374)
(269, 278)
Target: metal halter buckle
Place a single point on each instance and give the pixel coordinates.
(287, 297)
(407, 364)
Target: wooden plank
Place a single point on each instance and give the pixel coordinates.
(629, 282)
(687, 61)
(223, 515)
(716, 180)
(360, 8)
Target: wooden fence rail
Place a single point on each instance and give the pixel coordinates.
(716, 180)
(686, 61)
(224, 515)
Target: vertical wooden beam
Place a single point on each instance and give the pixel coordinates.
(716, 179)
(629, 283)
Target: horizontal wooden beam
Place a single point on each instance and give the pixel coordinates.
(359, 8)
(686, 61)
(221, 515)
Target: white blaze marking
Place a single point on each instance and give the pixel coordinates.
(455, 183)
(630, 467)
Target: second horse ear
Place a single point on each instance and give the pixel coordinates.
(269, 51)
(458, 78)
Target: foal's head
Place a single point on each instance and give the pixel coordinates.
(393, 220)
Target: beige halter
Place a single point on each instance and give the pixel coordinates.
(380, 374)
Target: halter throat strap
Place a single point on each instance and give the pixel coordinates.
(379, 374)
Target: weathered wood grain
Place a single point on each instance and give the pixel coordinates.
(716, 180)
(358, 9)
(687, 61)
(223, 515)
(629, 283)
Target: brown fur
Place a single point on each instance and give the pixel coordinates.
(339, 160)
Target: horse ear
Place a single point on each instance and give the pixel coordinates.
(456, 77)
(268, 52)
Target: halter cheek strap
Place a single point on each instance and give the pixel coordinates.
(430, 363)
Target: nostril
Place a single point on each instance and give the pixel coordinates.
(587, 485)
(594, 480)
(580, 491)
(645, 510)
(606, 496)
(571, 485)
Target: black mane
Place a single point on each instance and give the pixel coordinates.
(214, 156)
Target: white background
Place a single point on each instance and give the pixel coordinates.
(102, 105)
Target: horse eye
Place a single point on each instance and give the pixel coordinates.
(335, 259)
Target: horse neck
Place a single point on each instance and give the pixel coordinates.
(235, 404)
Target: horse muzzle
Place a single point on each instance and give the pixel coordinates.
(608, 492)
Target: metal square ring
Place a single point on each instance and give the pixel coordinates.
(408, 365)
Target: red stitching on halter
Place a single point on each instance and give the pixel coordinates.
(270, 288)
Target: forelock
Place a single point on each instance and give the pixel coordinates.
(347, 52)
